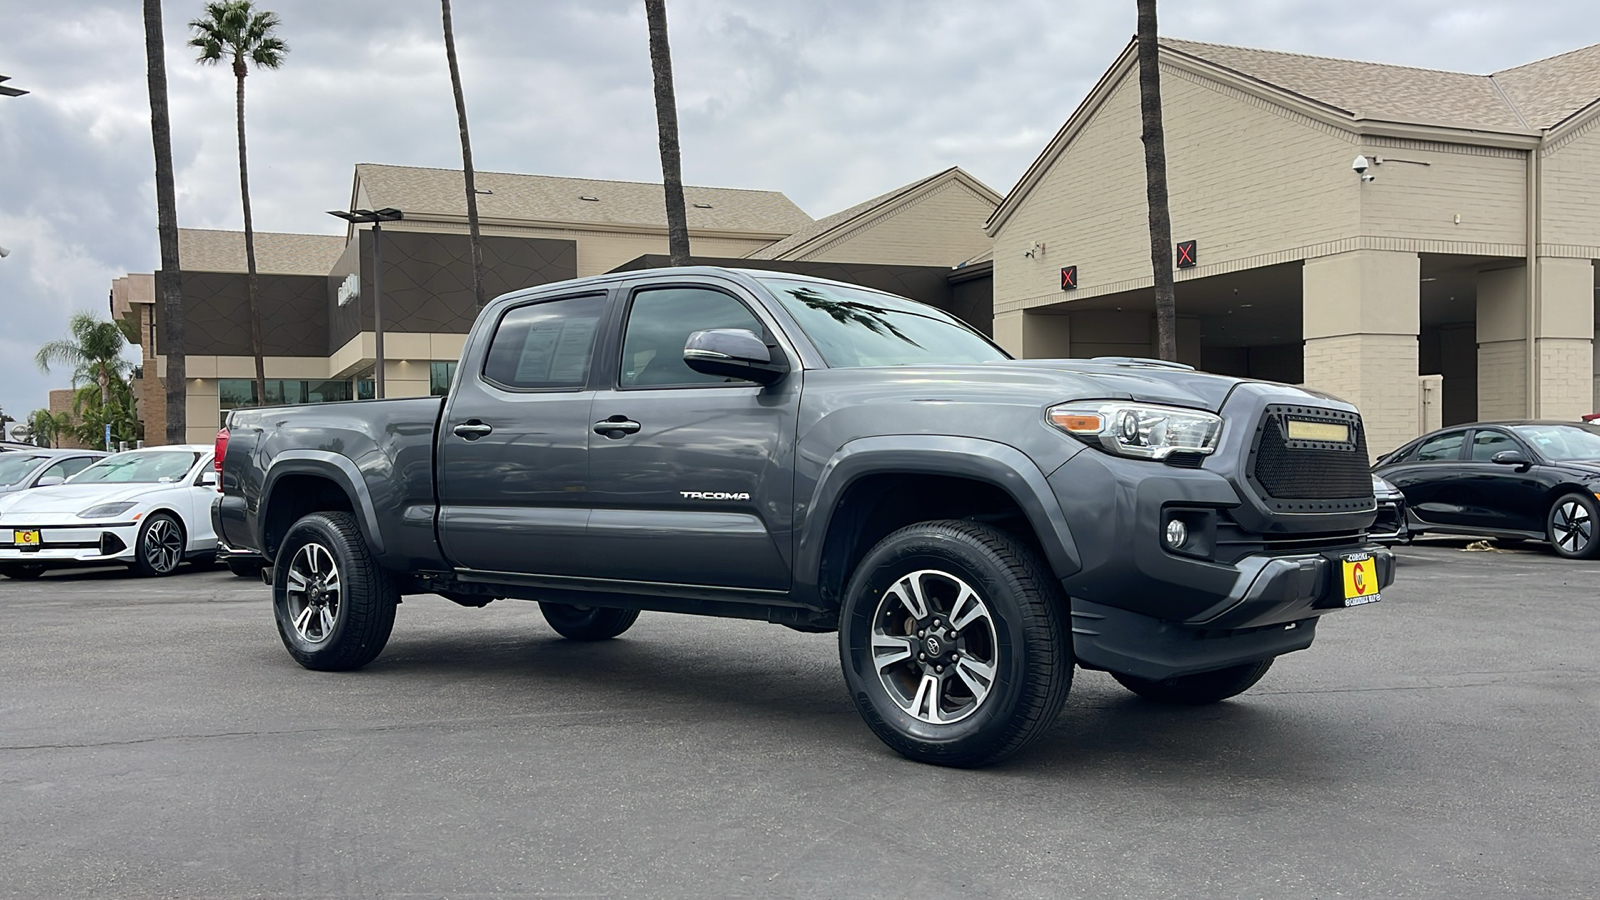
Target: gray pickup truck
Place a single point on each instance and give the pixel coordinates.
(829, 458)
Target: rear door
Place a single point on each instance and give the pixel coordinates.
(695, 486)
(513, 468)
(1429, 477)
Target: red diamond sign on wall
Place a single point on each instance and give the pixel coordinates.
(1069, 278)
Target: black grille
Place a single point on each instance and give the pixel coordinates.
(1306, 475)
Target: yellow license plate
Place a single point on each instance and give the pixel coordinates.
(28, 538)
(1360, 580)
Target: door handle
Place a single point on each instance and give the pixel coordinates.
(472, 429)
(617, 426)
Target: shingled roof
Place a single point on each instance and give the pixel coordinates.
(1539, 95)
(844, 219)
(546, 198)
(203, 250)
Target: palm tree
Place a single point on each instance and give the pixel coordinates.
(169, 285)
(1155, 178)
(473, 237)
(47, 427)
(655, 13)
(234, 29)
(94, 351)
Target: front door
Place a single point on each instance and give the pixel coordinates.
(1429, 477)
(513, 443)
(695, 483)
(1497, 496)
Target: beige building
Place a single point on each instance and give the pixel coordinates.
(1474, 227)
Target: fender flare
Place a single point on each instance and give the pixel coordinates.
(336, 468)
(992, 462)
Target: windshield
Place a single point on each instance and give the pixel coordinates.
(16, 466)
(1558, 442)
(144, 467)
(857, 327)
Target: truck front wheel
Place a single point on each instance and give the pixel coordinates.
(334, 606)
(954, 643)
(587, 623)
(1200, 689)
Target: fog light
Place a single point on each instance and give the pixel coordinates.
(1177, 533)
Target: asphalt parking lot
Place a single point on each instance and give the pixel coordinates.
(156, 741)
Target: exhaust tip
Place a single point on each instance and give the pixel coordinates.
(266, 575)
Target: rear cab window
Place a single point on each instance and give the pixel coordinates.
(547, 345)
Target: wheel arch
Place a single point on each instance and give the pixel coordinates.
(301, 482)
(873, 486)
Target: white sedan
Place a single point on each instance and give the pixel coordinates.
(149, 509)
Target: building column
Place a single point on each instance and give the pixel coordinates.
(1563, 341)
(1030, 335)
(1361, 319)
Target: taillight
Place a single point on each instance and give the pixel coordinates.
(218, 451)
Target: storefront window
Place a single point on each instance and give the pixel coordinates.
(440, 374)
(237, 393)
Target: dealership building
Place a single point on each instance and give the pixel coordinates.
(1452, 278)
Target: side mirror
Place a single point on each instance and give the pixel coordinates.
(1509, 458)
(732, 353)
(48, 480)
(208, 478)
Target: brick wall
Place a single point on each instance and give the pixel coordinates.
(1571, 193)
(1377, 373)
(943, 227)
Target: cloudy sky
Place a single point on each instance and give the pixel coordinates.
(829, 101)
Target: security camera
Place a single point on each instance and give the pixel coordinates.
(1360, 165)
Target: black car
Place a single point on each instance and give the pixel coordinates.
(1504, 479)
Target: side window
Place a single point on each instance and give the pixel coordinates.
(1485, 444)
(660, 322)
(545, 346)
(1445, 446)
(67, 467)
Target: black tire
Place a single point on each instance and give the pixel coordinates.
(1025, 644)
(346, 625)
(246, 568)
(22, 571)
(587, 623)
(1199, 689)
(160, 546)
(1573, 527)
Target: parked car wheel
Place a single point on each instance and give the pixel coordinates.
(1572, 527)
(954, 643)
(161, 545)
(1199, 689)
(587, 623)
(334, 606)
(246, 568)
(22, 571)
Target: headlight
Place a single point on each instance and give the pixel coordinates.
(1139, 429)
(1381, 487)
(106, 510)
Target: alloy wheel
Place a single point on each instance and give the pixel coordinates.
(163, 545)
(1571, 526)
(934, 646)
(314, 593)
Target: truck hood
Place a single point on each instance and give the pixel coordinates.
(1152, 383)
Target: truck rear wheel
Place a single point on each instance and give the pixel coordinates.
(587, 623)
(954, 643)
(1200, 689)
(334, 606)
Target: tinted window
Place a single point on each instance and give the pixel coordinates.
(142, 466)
(1445, 446)
(545, 345)
(68, 467)
(660, 322)
(857, 327)
(1557, 442)
(1485, 444)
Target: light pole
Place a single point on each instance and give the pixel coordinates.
(9, 91)
(375, 218)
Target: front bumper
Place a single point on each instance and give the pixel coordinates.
(1232, 596)
(1390, 526)
(71, 544)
